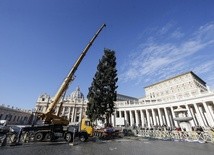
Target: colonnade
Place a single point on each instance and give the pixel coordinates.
(157, 115)
(73, 113)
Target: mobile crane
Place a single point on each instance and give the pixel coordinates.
(55, 126)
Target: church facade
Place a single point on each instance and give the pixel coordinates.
(73, 107)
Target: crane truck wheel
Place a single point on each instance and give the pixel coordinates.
(83, 137)
(48, 137)
(69, 137)
(38, 136)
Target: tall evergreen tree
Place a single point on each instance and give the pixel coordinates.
(102, 93)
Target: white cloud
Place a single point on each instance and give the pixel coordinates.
(165, 29)
(177, 34)
(160, 59)
(207, 66)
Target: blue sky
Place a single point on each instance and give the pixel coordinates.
(153, 40)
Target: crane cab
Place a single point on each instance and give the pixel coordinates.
(86, 125)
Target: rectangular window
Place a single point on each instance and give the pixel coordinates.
(122, 113)
(117, 114)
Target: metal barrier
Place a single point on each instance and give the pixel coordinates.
(189, 136)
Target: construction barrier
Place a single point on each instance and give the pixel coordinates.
(189, 136)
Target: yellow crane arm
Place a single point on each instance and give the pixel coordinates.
(68, 79)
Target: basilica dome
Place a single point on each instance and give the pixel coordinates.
(77, 94)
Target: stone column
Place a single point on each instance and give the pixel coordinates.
(76, 109)
(157, 118)
(73, 114)
(148, 118)
(211, 108)
(125, 115)
(120, 113)
(69, 114)
(142, 118)
(173, 116)
(209, 116)
(193, 115)
(128, 117)
(189, 114)
(166, 116)
(113, 119)
(199, 117)
(202, 115)
(131, 118)
(160, 117)
(63, 111)
(57, 110)
(154, 118)
(211, 111)
(137, 118)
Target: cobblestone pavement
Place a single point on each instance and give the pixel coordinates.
(125, 146)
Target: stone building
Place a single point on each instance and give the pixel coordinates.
(15, 116)
(73, 107)
(187, 91)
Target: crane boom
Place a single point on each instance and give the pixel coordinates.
(48, 116)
